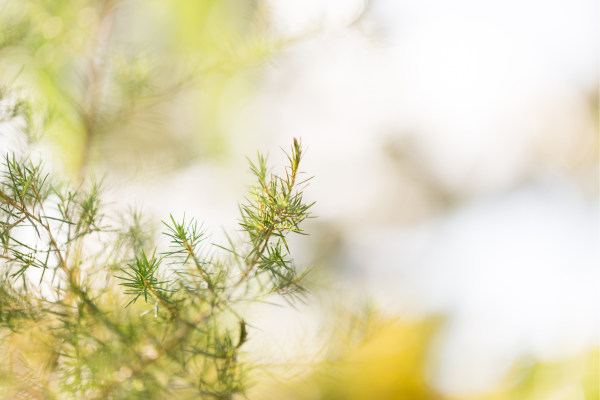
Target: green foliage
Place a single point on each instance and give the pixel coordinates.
(71, 269)
(143, 280)
(274, 209)
(70, 323)
(110, 71)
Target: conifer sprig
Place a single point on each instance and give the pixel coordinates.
(88, 332)
(143, 279)
(275, 207)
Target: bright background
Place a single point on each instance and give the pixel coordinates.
(454, 147)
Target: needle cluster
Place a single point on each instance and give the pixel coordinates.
(71, 325)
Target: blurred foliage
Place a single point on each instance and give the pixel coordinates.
(117, 75)
(574, 378)
(370, 356)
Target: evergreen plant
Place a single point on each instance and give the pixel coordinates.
(92, 310)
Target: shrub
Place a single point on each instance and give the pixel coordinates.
(89, 309)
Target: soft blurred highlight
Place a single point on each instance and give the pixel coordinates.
(455, 149)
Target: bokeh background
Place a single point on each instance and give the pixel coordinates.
(455, 152)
